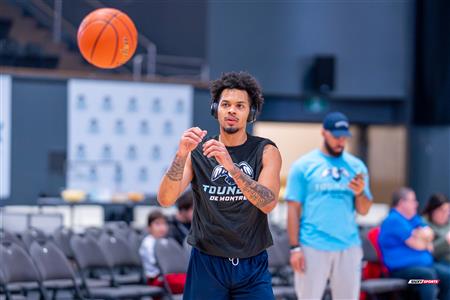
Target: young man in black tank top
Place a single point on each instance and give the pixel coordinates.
(235, 179)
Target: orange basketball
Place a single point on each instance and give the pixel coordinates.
(107, 38)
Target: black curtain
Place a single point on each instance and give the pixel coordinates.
(432, 63)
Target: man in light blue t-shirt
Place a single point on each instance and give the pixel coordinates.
(324, 189)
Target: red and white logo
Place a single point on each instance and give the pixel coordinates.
(423, 281)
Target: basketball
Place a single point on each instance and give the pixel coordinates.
(107, 38)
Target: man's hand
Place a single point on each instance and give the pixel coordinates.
(297, 261)
(447, 237)
(357, 184)
(214, 148)
(190, 139)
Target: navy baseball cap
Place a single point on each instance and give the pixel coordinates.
(337, 123)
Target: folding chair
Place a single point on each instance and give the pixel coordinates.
(5, 294)
(279, 266)
(171, 259)
(19, 270)
(377, 286)
(61, 237)
(54, 268)
(89, 257)
(7, 236)
(119, 228)
(118, 252)
(33, 234)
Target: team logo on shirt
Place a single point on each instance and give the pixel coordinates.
(220, 172)
(335, 173)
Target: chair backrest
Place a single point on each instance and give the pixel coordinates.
(33, 234)
(51, 261)
(88, 253)
(187, 247)
(117, 250)
(119, 228)
(94, 232)
(170, 256)
(369, 252)
(3, 278)
(62, 237)
(16, 264)
(10, 237)
(279, 253)
(372, 236)
(134, 241)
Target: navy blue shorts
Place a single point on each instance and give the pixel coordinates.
(217, 278)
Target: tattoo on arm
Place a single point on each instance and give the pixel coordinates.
(175, 172)
(260, 195)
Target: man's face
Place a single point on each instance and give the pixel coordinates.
(334, 145)
(234, 107)
(410, 205)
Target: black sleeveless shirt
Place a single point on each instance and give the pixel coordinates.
(224, 222)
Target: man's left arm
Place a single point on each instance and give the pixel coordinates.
(362, 201)
(264, 192)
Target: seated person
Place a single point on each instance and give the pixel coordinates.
(157, 228)
(406, 244)
(180, 224)
(437, 214)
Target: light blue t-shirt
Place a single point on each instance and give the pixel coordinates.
(320, 183)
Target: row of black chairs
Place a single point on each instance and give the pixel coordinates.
(106, 261)
(30, 55)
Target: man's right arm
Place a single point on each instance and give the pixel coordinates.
(293, 227)
(180, 173)
(175, 181)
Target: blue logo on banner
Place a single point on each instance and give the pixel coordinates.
(156, 152)
(106, 152)
(168, 128)
(156, 105)
(81, 102)
(1, 131)
(92, 174)
(179, 107)
(143, 174)
(107, 103)
(132, 152)
(118, 174)
(93, 126)
(81, 152)
(119, 127)
(132, 104)
(143, 127)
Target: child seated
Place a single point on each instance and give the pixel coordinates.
(158, 228)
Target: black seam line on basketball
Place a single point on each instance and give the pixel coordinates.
(117, 43)
(128, 29)
(92, 21)
(100, 34)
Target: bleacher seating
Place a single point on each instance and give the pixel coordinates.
(30, 55)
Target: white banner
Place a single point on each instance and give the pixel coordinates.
(123, 135)
(5, 135)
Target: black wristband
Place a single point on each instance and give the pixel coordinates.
(295, 246)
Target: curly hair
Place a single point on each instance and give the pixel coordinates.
(241, 81)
